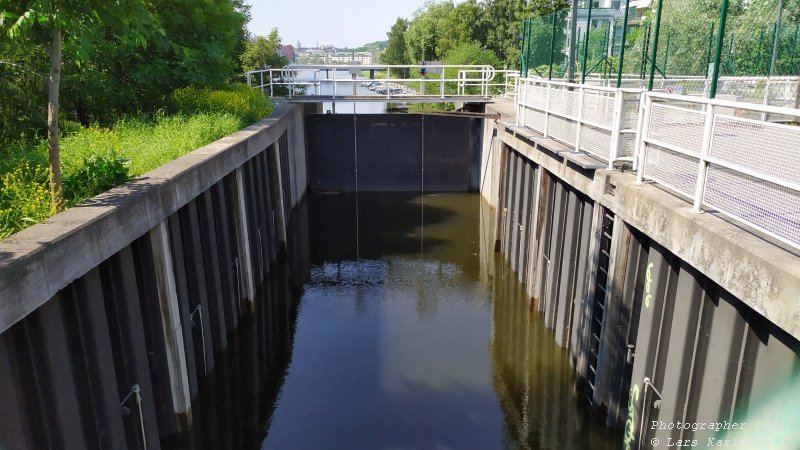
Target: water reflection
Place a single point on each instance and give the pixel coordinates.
(405, 340)
(532, 377)
(392, 332)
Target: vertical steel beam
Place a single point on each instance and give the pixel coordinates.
(654, 52)
(723, 18)
(586, 40)
(622, 47)
(173, 328)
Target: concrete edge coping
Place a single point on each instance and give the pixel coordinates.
(39, 261)
(763, 275)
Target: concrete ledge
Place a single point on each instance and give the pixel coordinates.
(761, 274)
(41, 260)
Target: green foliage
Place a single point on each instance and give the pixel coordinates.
(396, 49)
(262, 53)
(97, 159)
(374, 47)
(126, 61)
(426, 29)
(24, 198)
(240, 101)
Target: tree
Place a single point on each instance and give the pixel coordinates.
(396, 50)
(81, 21)
(262, 53)
(425, 30)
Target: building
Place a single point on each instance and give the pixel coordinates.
(363, 58)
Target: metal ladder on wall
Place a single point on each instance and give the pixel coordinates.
(599, 304)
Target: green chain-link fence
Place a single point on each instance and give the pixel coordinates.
(629, 43)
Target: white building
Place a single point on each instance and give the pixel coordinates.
(363, 58)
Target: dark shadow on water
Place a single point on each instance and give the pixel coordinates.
(393, 342)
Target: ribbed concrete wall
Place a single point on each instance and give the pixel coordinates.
(624, 305)
(147, 285)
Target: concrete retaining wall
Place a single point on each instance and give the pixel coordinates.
(636, 286)
(144, 285)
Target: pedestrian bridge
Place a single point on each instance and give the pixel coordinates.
(432, 83)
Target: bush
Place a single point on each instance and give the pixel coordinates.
(24, 198)
(92, 163)
(249, 105)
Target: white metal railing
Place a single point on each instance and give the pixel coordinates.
(273, 79)
(723, 157)
(470, 81)
(439, 82)
(593, 119)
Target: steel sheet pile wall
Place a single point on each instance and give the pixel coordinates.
(117, 357)
(625, 308)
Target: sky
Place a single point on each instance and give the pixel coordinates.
(342, 23)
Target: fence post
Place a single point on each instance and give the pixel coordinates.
(622, 47)
(654, 53)
(666, 52)
(523, 63)
(723, 17)
(546, 131)
(581, 98)
(552, 45)
(573, 27)
(586, 41)
(523, 102)
(705, 150)
(616, 128)
(642, 129)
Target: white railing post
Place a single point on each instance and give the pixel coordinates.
(271, 85)
(249, 79)
(546, 131)
(524, 103)
(705, 150)
(581, 94)
(642, 130)
(441, 87)
(334, 82)
(616, 128)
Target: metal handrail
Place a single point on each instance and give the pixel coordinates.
(615, 128)
(703, 153)
(287, 76)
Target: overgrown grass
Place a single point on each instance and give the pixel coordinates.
(96, 159)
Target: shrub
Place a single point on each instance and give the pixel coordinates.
(249, 105)
(92, 163)
(24, 198)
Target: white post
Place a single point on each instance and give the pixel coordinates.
(249, 79)
(442, 84)
(581, 93)
(521, 120)
(705, 150)
(334, 82)
(643, 128)
(616, 127)
(171, 322)
(546, 130)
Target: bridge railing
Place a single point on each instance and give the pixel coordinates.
(440, 81)
(596, 120)
(723, 157)
(503, 84)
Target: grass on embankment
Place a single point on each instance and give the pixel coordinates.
(96, 159)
